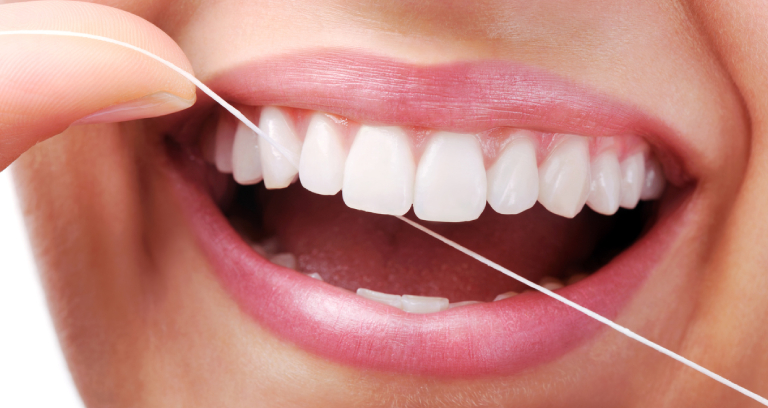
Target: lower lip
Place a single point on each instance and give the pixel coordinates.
(499, 338)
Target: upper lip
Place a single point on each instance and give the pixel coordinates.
(497, 338)
(461, 96)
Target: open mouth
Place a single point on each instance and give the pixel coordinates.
(579, 196)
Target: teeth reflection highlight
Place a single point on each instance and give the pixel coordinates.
(450, 181)
(246, 156)
(564, 178)
(321, 168)
(632, 180)
(424, 304)
(654, 183)
(278, 171)
(380, 171)
(384, 298)
(513, 181)
(605, 188)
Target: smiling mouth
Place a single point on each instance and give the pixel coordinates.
(556, 183)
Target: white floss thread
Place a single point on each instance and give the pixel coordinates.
(621, 329)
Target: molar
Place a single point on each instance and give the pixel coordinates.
(278, 171)
(424, 304)
(379, 172)
(384, 298)
(632, 179)
(654, 183)
(513, 181)
(605, 189)
(450, 181)
(321, 169)
(564, 177)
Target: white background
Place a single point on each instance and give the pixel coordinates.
(32, 369)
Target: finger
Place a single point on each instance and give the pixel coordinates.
(48, 83)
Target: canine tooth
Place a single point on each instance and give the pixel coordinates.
(551, 283)
(450, 180)
(285, 259)
(379, 172)
(321, 168)
(564, 177)
(576, 278)
(385, 298)
(654, 182)
(225, 139)
(632, 179)
(278, 171)
(505, 295)
(315, 275)
(605, 188)
(465, 303)
(246, 156)
(424, 304)
(513, 181)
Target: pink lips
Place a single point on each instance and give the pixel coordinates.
(495, 338)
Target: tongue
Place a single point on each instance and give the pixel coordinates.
(353, 249)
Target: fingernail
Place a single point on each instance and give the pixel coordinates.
(157, 104)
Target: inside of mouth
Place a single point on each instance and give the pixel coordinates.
(352, 249)
(322, 237)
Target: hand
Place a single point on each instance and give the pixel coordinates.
(48, 83)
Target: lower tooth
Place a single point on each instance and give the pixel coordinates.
(384, 298)
(424, 304)
(465, 303)
(506, 295)
(551, 283)
(285, 259)
(315, 275)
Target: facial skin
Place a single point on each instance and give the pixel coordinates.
(144, 322)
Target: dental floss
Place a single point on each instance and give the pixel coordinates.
(480, 258)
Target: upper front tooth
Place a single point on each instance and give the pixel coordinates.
(450, 180)
(424, 304)
(321, 169)
(246, 156)
(632, 178)
(654, 182)
(564, 177)
(225, 138)
(513, 181)
(278, 171)
(605, 188)
(379, 172)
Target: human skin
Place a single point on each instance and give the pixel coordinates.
(143, 320)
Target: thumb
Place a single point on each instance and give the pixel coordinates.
(48, 83)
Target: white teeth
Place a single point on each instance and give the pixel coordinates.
(321, 168)
(654, 182)
(505, 295)
(465, 303)
(315, 275)
(424, 304)
(278, 171)
(605, 189)
(385, 298)
(379, 172)
(246, 156)
(632, 179)
(513, 181)
(287, 260)
(225, 139)
(564, 177)
(551, 283)
(450, 180)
